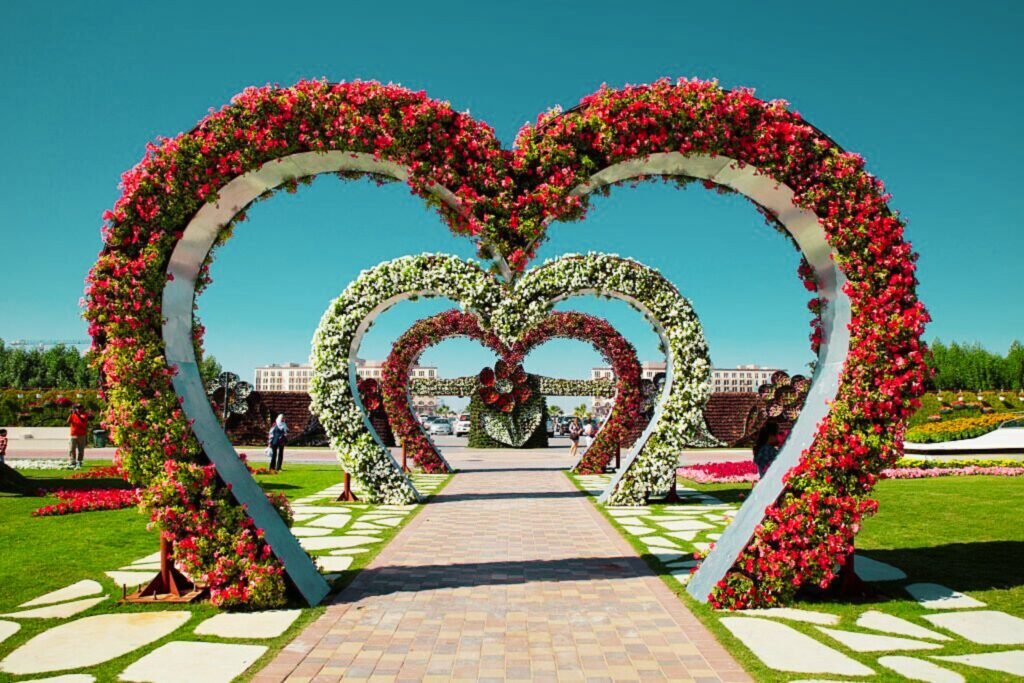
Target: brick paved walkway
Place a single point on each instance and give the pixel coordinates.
(509, 574)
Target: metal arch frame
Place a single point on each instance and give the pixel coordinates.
(808, 233)
(659, 329)
(178, 301)
(353, 352)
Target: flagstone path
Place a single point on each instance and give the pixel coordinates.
(509, 573)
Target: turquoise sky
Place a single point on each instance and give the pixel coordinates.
(927, 92)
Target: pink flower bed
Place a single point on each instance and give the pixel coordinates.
(921, 473)
(746, 471)
(720, 472)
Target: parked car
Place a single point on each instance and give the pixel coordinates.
(440, 427)
(550, 427)
(462, 425)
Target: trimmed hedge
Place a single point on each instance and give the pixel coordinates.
(46, 407)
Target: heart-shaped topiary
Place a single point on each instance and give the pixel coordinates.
(616, 350)
(648, 469)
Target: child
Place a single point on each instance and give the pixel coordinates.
(3, 446)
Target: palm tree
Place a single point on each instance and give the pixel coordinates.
(581, 411)
(555, 411)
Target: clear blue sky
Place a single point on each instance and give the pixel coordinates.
(927, 92)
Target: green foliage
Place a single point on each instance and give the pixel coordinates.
(209, 368)
(972, 368)
(58, 367)
(46, 408)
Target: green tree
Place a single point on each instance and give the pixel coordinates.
(209, 368)
(581, 411)
(555, 411)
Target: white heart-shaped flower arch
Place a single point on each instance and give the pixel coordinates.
(649, 467)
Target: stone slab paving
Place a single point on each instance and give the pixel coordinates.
(181, 661)
(268, 624)
(509, 573)
(80, 589)
(90, 641)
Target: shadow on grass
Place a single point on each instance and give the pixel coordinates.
(984, 565)
(272, 486)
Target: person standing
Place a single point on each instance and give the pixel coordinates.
(588, 434)
(78, 421)
(276, 440)
(3, 446)
(574, 437)
(766, 447)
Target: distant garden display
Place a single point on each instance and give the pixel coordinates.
(189, 193)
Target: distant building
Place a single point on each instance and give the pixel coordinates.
(742, 378)
(295, 377)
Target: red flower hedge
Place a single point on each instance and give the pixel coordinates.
(614, 348)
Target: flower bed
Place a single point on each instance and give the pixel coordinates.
(88, 500)
(34, 464)
(744, 471)
(956, 429)
(45, 407)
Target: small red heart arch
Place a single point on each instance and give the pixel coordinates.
(613, 347)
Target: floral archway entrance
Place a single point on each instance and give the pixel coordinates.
(189, 191)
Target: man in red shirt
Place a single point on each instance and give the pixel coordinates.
(79, 423)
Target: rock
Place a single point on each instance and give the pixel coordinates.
(1011, 661)
(92, 640)
(193, 662)
(879, 621)
(269, 624)
(987, 627)
(792, 614)
(131, 579)
(786, 649)
(868, 642)
(937, 596)
(920, 670)
(61, 611)
(306, 531)
(76, 590)
(873, 570)
(684, 525)
(334, 563)
(331, 521)
(329, 542)
(8, 629)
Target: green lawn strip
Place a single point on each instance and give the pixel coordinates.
(42, 554)
(980, 552)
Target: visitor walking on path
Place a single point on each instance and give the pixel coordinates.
(78, 421)
(3, 446)
(277, 438)
(766, 447)
(574, 437)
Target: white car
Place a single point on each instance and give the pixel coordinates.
(462, 425)
(440, 427)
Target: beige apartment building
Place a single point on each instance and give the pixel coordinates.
(742, 378)
(296, 376)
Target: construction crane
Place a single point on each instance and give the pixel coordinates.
(44, 343)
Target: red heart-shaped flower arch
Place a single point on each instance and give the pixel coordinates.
(181, 200)
(614, 348)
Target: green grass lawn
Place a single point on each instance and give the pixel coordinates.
(41, 554)
(963, 532)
